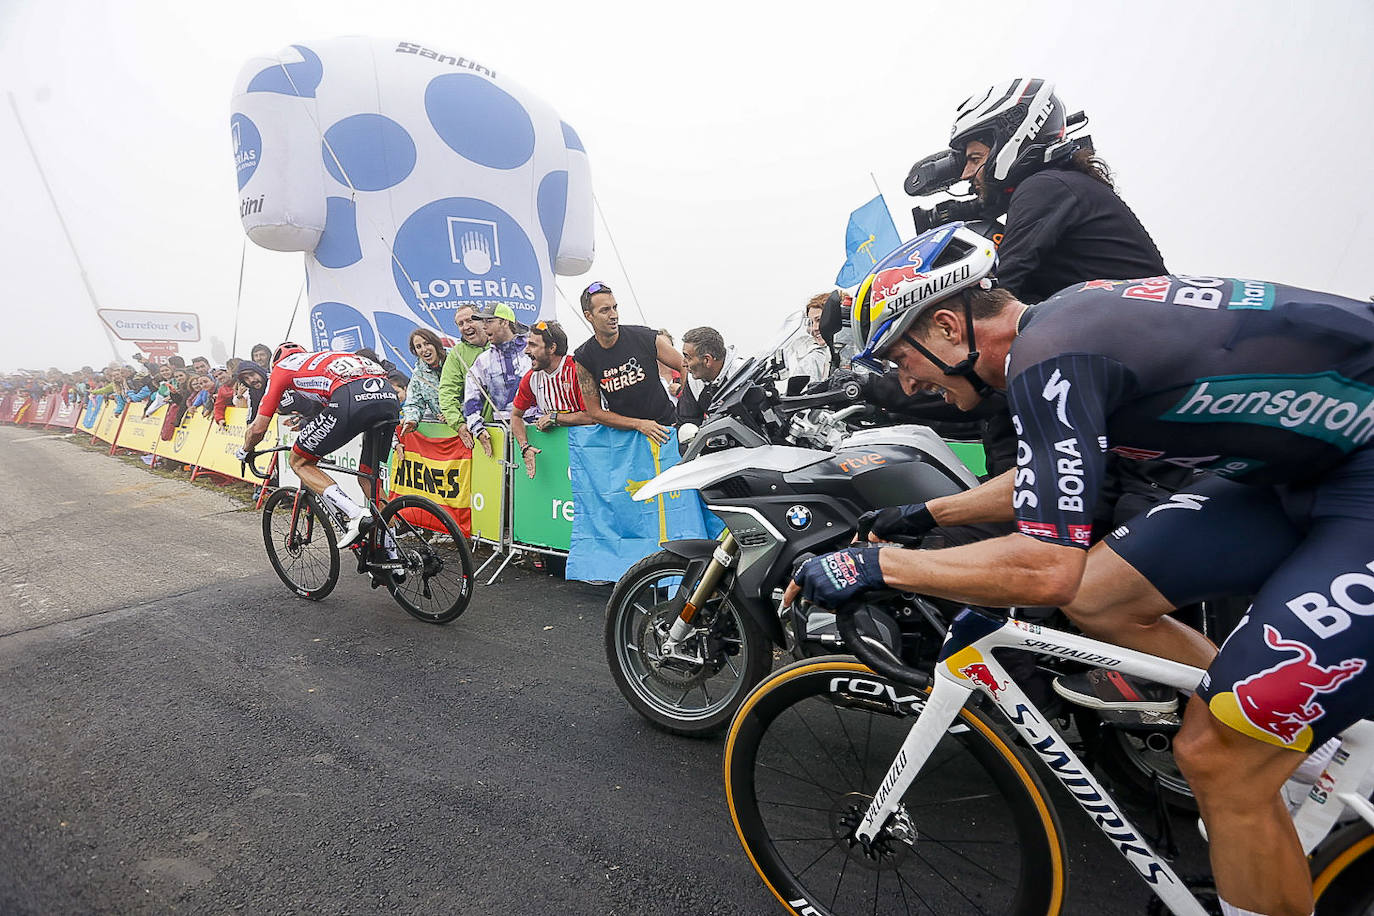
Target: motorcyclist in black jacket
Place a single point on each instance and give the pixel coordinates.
(1065, 224)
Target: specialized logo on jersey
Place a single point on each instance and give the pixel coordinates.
(1180, 501)
(1280, 702)
(1324, 405)
(1057, 392)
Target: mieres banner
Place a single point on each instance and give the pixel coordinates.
(610, 531)
(438, 467)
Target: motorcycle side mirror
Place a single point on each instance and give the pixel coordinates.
(832, 316)
(797, 384)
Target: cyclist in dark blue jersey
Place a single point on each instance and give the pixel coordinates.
(1269, 386)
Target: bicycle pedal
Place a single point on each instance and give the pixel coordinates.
(1133, 720)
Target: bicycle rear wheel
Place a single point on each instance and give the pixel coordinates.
(438, 581)
(975, 833)
(301, 543)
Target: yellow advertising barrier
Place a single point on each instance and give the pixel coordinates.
(221, 442)
(93, 415)
(139, 433)
(488, 476)
(107, 427)
(187, 440)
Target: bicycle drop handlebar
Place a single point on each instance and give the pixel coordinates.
(250, 461)
(872, 652)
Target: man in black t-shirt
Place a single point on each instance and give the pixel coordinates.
(617, 369)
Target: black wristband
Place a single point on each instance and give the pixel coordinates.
(924, 518)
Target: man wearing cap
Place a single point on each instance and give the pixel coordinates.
(496, 372)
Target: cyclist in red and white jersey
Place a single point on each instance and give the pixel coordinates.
(354, 397)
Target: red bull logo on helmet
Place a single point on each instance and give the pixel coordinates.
(1282, 699)
(889, 282)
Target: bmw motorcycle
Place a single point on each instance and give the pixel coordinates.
(690, 630)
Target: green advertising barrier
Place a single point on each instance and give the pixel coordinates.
(972, 455)
(487, 478)
(542, 508)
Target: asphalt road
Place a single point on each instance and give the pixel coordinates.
(179, 734)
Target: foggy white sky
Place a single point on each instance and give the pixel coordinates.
(728, 141)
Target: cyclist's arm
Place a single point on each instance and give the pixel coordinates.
(990, 501)
(256, 430)
(1059, 408)
(1002, 572)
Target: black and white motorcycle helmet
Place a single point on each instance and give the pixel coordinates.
(1019, 120)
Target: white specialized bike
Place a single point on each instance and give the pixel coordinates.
(873, 788)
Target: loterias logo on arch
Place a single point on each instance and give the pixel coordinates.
(247, 147)
(461, 251)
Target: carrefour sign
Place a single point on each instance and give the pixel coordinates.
(132, 325)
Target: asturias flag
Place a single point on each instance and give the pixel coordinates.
(870, 236)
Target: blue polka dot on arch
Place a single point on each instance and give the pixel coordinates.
(479, 120)
(376, 153)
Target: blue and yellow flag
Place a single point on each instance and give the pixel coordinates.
(610, 531)
(870, 236)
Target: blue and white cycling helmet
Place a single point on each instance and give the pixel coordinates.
(924, 272)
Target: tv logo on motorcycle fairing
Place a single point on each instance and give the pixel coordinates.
(474, 243)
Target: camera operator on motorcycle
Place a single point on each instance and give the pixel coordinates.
(1270, 387)
(1065, 224)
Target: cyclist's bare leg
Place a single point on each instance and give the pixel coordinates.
(310, 474)
(1257, 859)
(1116, 604)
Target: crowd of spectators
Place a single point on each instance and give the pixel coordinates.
(499, 374)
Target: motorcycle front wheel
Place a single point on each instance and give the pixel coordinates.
(696, 690)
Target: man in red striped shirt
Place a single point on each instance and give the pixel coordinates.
(550, 387)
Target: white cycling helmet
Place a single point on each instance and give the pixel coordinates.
(1020, 121)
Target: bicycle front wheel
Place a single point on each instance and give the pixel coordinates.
(437, 581)
(1341, 872)
(975, 833)
(301, 543)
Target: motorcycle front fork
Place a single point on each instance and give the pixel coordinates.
(721, 561)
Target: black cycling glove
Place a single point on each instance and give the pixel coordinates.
(899, 524)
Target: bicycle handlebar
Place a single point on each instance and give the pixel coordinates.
(871, 652)
(250, 461)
